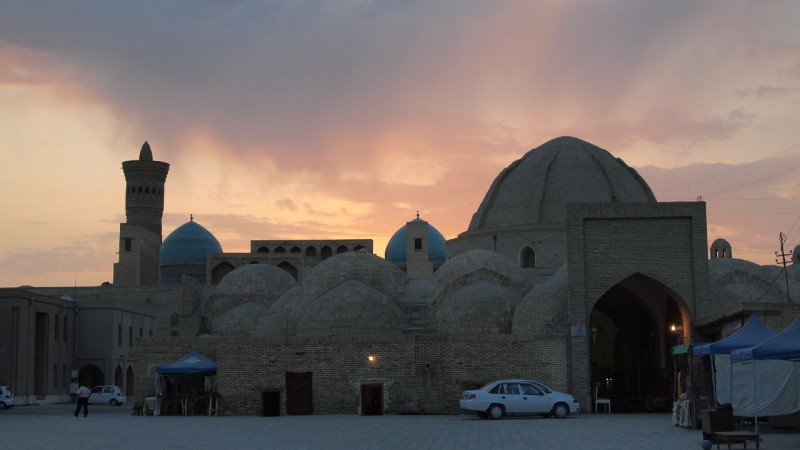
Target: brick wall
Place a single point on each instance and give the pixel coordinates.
(420, 374)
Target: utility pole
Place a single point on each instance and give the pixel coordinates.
(783, 255)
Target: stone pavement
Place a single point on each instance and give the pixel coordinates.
(54, 427)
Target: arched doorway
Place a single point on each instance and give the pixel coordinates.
(129, 381)
(118, 381)
(629, 344)
(90, 376)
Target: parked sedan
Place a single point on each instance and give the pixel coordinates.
(106, 395)
(506, 397)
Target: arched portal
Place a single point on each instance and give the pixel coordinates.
(129, 381)
(91, 375)
(630, 341)
(118, 381)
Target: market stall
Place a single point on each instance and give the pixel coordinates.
(187, 386)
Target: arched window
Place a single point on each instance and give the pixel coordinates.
(326, 252)
(295, 249)
(527, 258)
(311, 251)
(280, 249)
(341, 249)
(290, 269)
(358, 248)
(263, 249)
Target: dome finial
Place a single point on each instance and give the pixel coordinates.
(145, 154)
(191, 217)
(417, 214)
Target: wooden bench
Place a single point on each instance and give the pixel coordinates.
(735, 437)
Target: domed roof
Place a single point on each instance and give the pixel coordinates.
(367, 268)
(396, 248)
(720, 242)
(547, 303)
(482, 307)
(256, 279)
(536, 188)
(189, 242)
(733, 281)
(254, 283)
(352, 308)
(480, 264)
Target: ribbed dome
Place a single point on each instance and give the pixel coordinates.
(190, 242)
(536, 188)
(256, 280)
(396, 248)
(366, 268)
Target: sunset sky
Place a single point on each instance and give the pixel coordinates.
(340, 119)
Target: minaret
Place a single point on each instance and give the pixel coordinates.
(140, 235)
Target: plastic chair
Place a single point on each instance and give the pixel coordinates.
(601, 401)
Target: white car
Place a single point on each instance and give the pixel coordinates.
(507, 397)
(106, 395)
(6, 398)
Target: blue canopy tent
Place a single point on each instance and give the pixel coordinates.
(784, 345)
(777, 380)
(188, 381)
(753, 332)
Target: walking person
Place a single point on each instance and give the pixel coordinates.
(83, 400)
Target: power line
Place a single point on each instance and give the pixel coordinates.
(731, 170)
(753, 182)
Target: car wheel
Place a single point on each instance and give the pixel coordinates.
(114, 402)
(560, 410)
(3, 405)
(483, 415)
(496, 411)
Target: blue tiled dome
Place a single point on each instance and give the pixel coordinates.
(396, 248)
(190, 242)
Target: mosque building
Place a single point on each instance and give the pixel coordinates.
(570, 272)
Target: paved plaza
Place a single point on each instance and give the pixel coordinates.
(54, 427)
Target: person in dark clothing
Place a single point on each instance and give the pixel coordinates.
(83, 400)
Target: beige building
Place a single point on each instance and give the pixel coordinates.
(37, 346)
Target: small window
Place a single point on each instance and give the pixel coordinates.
(528, 389)
(130, 336)
(527, 258)
(280, 249)
(417, 244)
(128, 244)
(119, 334)
(55, 328)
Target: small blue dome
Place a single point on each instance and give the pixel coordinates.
(189, 242)
(396, 248)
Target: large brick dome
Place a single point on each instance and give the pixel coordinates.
(536, 188)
